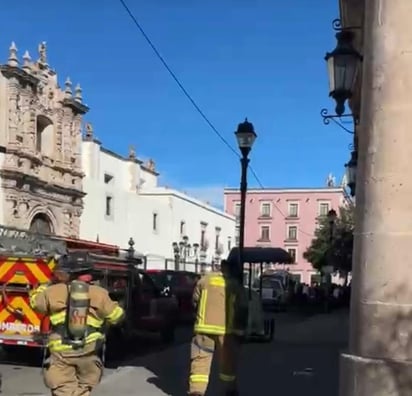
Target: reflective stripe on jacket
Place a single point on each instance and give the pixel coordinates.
(217, 305)
(34, 293)
(50, 300)
(58, 321)
(116, 315)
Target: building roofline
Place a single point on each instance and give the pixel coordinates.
(110, 152)
(167, 192)
(229, 190)
(119, 156)
(144, 167)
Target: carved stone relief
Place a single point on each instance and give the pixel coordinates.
(63, 188)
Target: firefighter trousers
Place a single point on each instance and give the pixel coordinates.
(72, 375)
(203, 348)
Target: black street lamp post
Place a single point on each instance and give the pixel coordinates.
(184, 247)
(332, 219)
(130, 250)
(245, 136)
(351, 168)
(332, 216)
(196, 254)
(176, 253)
(181, 251)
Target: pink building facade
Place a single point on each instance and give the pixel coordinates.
(285, 218)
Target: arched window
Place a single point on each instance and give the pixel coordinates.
(41, 224)
(44, 135)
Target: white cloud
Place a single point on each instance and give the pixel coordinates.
(211, 194)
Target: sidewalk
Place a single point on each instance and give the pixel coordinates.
(277, 368)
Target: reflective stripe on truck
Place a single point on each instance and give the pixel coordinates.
(19, 323)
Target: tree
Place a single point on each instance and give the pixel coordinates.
(338, 251)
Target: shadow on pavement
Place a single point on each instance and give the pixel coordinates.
(303, 359)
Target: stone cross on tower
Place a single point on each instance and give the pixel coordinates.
(151, 165)
(132, 152)
(42, 50)
(89, 131)
(330, 180)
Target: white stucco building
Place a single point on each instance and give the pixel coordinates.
(123, 200)
(56, 178)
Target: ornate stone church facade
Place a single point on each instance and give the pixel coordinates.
(40, 147)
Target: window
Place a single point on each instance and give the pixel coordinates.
(229, 243)
(108, 178)
(154, 222)
(202, 239)
(236, 209)
(293, 210)
(292, 253)
(109, 204)
(265, 233)
(182, 228)
(217, 237)
(44, 135)
(315, 278)
(204, 244)
(265, 209)
(292, 233)
(323, 208)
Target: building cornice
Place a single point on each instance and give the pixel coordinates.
(119, 156)
(153, 172)
(51, 187)
(177, 194)
(289, 190)
(21, 75)
(76, 106)
(43, 161)
(128, 159)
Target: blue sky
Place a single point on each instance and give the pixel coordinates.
(261, 59)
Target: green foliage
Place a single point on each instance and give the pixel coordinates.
(338, 251)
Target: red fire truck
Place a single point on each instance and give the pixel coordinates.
(28, 259)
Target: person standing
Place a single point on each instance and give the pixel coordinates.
(221, 320)
(78, 312)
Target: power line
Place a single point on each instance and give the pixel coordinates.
(192, 101)
(183, 89)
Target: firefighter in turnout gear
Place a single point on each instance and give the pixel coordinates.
(78, 312)
(221, 321)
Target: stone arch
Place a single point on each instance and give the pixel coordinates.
(44, 135)
(41, 224)
(42, 221)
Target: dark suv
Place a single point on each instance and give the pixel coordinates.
(181, 284)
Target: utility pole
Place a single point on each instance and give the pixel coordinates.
(379, 360)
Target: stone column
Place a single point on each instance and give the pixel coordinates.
(379, 360)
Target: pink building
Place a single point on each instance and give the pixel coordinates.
(285, 218)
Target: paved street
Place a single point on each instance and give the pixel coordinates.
(301, 343)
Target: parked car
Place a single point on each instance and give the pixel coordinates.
(274, 295)
(181, 285)
(150, 310)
